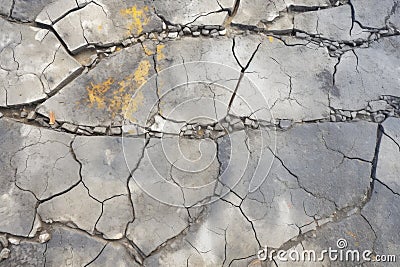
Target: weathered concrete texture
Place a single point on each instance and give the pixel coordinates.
(117, 213)
(102, 23)
(70, 247)
(23, 10)
(42, 175)
(33, 64)
(104, 169)
(348, 168)
(5, 8)
(272, 15)
(253, 12)
(205, 12)
(115, 255)
(354, 229)
(212, 241)
(75, 207)
(386, 14)
(25, 254)
(102, 96)
(332, 23)
(388, 166)
(178, 171)
(152, 216)
(366, 74)
(17, 207)
(297, 192)
(280, 87)
(380, 211)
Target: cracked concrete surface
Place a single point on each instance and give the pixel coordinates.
(197, 133)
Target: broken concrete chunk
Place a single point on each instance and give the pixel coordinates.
(41, 64)
(107, 91)
(377, 16)
(332, 23)
(68, 208)
(69, 127)
(105, 24)
(356, 86)
(194, 13)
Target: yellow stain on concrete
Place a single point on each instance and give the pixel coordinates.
(125, 99)
(100, 27)
(96, 92)
(270, 39)
(137, 18)
(142, 72)
(160, 55)
(147, 50)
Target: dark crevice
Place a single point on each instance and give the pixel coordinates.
(98, 255)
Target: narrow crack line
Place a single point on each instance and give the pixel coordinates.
(235, 92)
(147, 141)
(44, 255)
(391, 138)
(353, 16)
(234, 54)
(385, 185)
(242, 258)
(379, 135)
(247, 219)
(372, 229)
(298, 180)
(242, 72)
(51, 29)
(98, 255)
(74, 185)
(169, 240)
(206, 14)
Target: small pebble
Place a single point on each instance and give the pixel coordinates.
(195, 34)
(100, 130)
(69, 127)
(186, 30)
(4, 254)
(205, 32)
(24, 114)
(116, 131)
(44, 237)
(379, 118)
(285, 124)
(3, 241)
(173, 35)
(127, 42)
(222, 32)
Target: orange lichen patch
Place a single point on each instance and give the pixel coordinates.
(120, 97)
(147, 50)
(96, 92)
(137, 18)
(160, 55)
(142, 72)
